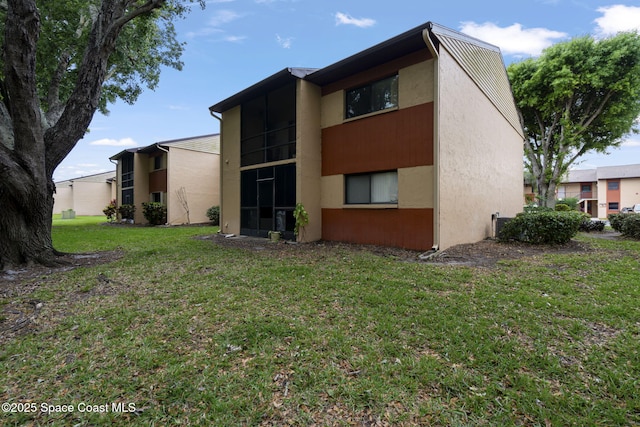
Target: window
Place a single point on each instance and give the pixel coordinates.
(268, 127)
(613, 185)
(157, 162)
(381, 187)
(613, 206)
(156, 197)
(376, 96)
(586, 188)
(127, 170)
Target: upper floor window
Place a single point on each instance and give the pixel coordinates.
(157, 162)
(586, 188)
(376, 96)
(268, 127)
(613, 185)
(127, 170)
(370, 188)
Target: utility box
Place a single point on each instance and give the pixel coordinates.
(68, 214)
(500, 222)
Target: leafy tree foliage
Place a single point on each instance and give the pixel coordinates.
(578, 96)
(60, 62)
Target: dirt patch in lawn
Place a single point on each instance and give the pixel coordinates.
(485, 253)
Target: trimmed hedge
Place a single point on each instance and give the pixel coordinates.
(542, 227)
(627, 224)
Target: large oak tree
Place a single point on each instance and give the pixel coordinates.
(579, 96)
(60, 62)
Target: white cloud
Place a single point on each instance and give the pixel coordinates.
(284, 42)
(234, 39)
(617, 18)
(346, 19)
(219, 18)
(513, 40)
(124, 142)
(222, 17)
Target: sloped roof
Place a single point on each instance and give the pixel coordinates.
(203, 143)
(603, 172)
(582, 175)
(483, 63)
(97, 177)
(274, 81)
(622, 171)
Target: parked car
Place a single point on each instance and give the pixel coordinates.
(626, 210)
(636, 208)
(633, 209)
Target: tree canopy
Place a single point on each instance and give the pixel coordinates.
(579, 96)
(61, 61)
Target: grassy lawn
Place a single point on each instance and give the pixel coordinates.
(192, 333)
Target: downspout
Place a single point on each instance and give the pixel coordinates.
(221, 187)
(426, 36)
(166, 151)
(118, 184)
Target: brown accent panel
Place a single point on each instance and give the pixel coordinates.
(377, 73)
(158, 181)
(397, 139)
(403, 228)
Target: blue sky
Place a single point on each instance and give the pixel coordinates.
(233, 44)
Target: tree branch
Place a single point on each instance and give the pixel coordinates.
(76, 117)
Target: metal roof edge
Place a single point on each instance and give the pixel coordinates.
(273, 79)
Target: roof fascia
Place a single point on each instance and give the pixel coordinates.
(274, 81)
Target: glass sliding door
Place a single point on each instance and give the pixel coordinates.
(268, 200)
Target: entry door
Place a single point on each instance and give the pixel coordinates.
(267, 200)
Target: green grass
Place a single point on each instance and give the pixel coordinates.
(198, 334)
(78, 221)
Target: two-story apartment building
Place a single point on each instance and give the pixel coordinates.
(414, 143)
(85, 195)
(169, 171)
(604, 190)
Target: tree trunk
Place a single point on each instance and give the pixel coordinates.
(25, 226)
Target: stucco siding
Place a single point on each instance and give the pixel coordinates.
(198, 174)
(629, 192)
(480, 166)
(309, 157)
(230, 173)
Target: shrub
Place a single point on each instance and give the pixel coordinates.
(588, 225)
(154, 212)
(213, 213)
(631, 226)
(616, 221)
(127, 211)
(111, 211)
(562, 207)
(572, 202)
(542, 227)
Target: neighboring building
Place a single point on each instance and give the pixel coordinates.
(87, 195)
(162, 171)
(414, 143)
(603, 190)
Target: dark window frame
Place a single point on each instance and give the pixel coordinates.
(268, 127)
(367, 200)
(373, 97)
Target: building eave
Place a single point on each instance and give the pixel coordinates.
(274, 81)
